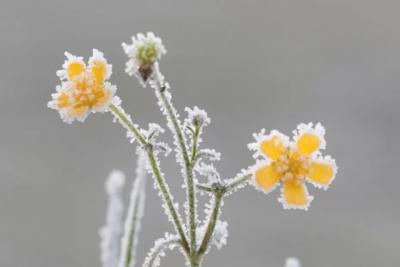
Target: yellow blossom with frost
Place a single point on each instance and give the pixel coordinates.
(292, 163)
(84, 88)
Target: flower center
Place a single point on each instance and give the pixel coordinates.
(292, 166)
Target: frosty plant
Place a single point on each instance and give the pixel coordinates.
(279, 161)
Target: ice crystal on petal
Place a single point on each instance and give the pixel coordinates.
(317, 130)
(292, 262)
(84, 89)
(111, 232)
(290, 164)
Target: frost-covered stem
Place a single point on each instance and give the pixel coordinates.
(120, 114)
(135, 214)
(153, 257)
(127, 123)
(195, 142)
(238, 182)
(166, 195)
(218, 195)
(177, 128)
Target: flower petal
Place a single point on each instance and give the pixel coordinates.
(99, 67)
(322, 172)
(309, 138)
(273, 146)
(294, 195)
(266, 178)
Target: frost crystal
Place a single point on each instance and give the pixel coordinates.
(158, 251)
(135, 214)
(220, 236)
(111, 232)
(292, 262)
(84, 89)
(196, 117)
(208, 171)
(143, 53)
(209, 154)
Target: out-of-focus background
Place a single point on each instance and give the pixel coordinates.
(250, 64)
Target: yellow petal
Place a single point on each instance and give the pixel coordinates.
(321, 173)
(308, 143)
(295, 195)
(78, 111)
(62, 100)
(267, 178)
(273, 147)
(74, 69)
(98, 69)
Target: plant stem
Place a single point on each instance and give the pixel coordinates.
(195, 139)
(125, 120)
(134, 215)
(237, 182)
(177, 128)
(211, 224)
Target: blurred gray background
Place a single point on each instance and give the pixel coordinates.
(250, 64)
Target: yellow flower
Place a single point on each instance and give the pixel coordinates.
(83, 89)
(291, 163)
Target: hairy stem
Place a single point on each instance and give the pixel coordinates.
(162, 186)
(134, 216)
(238, 182)
(177, 128)
(211, 224)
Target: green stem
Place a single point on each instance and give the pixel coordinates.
(195, 138)
(188, 167)
(167, 197)
(211, 224)
(125, 120)
(238, 182)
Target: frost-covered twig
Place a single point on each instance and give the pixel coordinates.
(111, 232)
(135, 213)
(124, 119)
(219, 193)
(158, 251)
(176, 128)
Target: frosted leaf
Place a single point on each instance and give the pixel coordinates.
(220, 236)
(209, 171)
(209, 154)
(111, 232)
(292, 262)
(153, 258)
(135, 214)
(162, 148)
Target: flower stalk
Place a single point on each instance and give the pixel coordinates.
(176, 128)
(162, 186)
